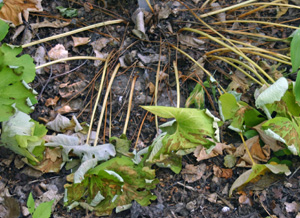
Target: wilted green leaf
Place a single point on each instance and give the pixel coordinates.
(297, 88)
(197, 97)
(119, 181)
(67, 12)
(122, 144)
(257, 170)
(295, 50)
(242, 116)
(22, 135)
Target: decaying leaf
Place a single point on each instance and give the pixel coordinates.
(58, 52)
(12, 10)
(201, 154)
(193, 173)
(113, 184)
(80, 40)
(51, 101)
(257, 170)
(62, 124)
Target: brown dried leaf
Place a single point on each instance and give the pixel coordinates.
(193, 173)
(58, 52)
(51, 101)
(80, 40)
(222, 173)
(12, 10)
(200, 151)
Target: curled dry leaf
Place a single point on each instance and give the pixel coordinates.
(51, 101)
(222, 173)
(193, 173)
(200, 151)
(12, 10)
(80, 40)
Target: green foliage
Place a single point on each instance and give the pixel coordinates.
(15, 73)
(23, 135)
(112, 184)
(191, 128)
(3, 28)
(295, 50)
(67, 12)
(122, 144)
(41, 211)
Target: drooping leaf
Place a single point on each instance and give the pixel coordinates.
(242, 116)
(22, 135)
(255, 172)
(285, 131)
(295, 50)
(122, 144)
(3, 29)
(86, 152)
(197, 97)
(192, 127)
(119, 181)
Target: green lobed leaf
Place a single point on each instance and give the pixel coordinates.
(30, 203)
(43, 210)
(119, 181)
(67, 12)
(295, 50)
(3, 29)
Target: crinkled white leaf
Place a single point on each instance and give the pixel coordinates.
(86, 152)
(123, 207)
(83, 168)
(113, 173)
(272, 93)
(59, 123)
(138, 155)
(274, 135)
(97, 199)
(78, 127)
(293, 149)
(157, 145)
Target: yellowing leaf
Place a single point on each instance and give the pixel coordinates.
(12, 10)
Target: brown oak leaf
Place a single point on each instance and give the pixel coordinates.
(12, 10)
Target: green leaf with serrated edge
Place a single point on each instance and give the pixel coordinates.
(284, 130)
(119, 181)
(197, 97)
(295, 50)
(43, 210)
(192, 127)
(257, 170)
(18, 135)
(122, 144)
(297, 88)
(3, 29)
(30, 203)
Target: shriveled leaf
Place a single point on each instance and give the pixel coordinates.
(12, 10)
(86, 152)
(295, 50)
(22, 135)
(201, 154)
(80, 40)
(62, 124)
(119, 181)
(257, 170)
(285, 131)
